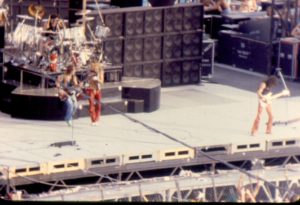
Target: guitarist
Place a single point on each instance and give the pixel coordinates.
(265, 97)
(96, 79)
(68, 86)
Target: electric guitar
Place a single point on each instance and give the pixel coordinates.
(71, 91)
(267, 99)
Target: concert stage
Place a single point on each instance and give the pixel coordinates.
(214, 117)
(30, 93)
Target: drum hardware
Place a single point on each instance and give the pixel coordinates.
(76, 33)
(87, 18)
(25, 17)
(101, 32)
(81, 13)
(38, 12)
(91, 32)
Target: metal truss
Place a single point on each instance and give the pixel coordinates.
(189, 186)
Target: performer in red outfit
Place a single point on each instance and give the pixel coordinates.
(94, 92)
(265, 97)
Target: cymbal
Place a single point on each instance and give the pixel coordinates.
(24, 17)
(36, 11)
(81, 13)
(88, 18)
(64, 20)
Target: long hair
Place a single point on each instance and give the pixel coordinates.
(271, 81)
(51, 17)
(98, 68)
(97, 78)
(70, 69)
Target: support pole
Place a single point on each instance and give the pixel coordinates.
(271, 36)
(84, 14)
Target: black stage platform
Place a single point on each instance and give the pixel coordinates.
(30, 93)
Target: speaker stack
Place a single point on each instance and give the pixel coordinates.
(156, 42)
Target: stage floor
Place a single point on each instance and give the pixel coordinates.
(217, 111)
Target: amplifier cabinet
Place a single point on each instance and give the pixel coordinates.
(225, 48)
(288, 57)
(244, 53)
(252, 55)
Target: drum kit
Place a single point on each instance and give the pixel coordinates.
(64, 45)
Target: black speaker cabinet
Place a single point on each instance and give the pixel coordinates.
(133, 50)
(135, 106)
(171, 73)
(113, 50)
(192, 18)
(133, 71)
(172, 46)
(192, 44)
(225, 47)
(191, 72)
(124, 3)
(37, 107)
(152, 48)
(173, 18)
(153, 21)
(152, 70)
(134, 23)
(75, 4)
(115, 22)
(246, 55)
(289, 51)
(151, 96)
